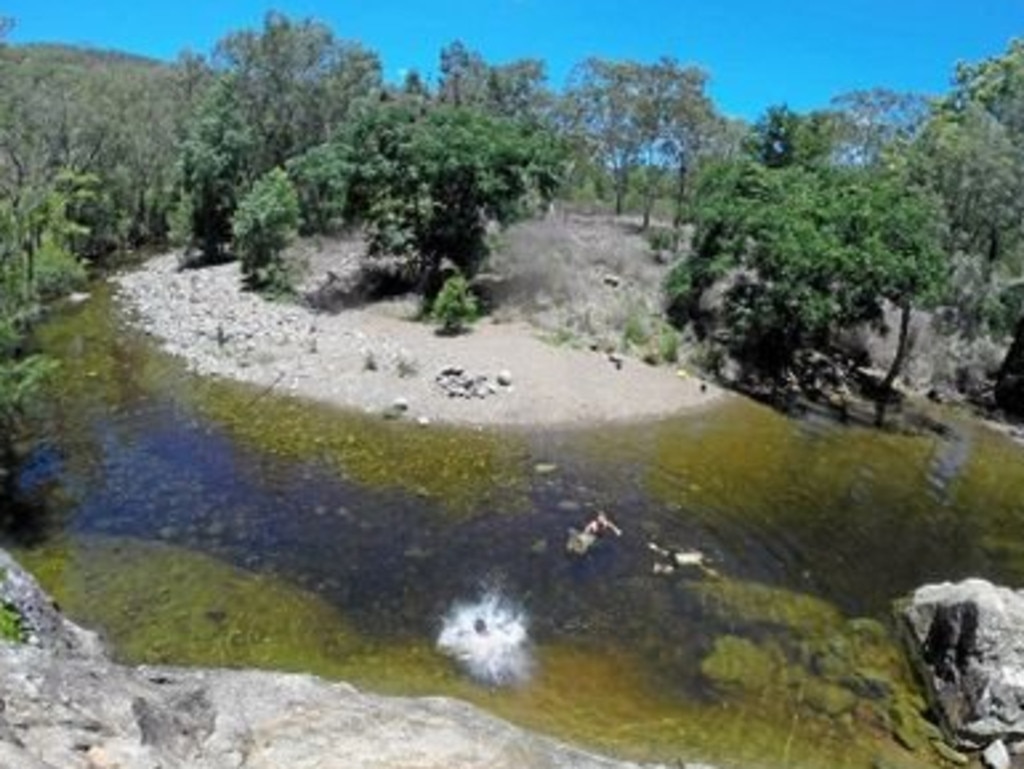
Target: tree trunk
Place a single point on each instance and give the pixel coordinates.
(620, 194)
(8, 463)
(902, 348)
(680, 195)
(30, 269)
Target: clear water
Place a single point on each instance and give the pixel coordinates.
(199, 522)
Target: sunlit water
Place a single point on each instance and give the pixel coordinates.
(203, 523)
(488, 638)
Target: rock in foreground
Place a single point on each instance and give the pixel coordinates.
(968, 641)
(65, 705)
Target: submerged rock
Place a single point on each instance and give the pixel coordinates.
(965, 640)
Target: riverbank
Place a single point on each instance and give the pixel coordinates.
(373, 359)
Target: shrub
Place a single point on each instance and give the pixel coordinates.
(406, 367)
(635, 333)
(679, 292)
(179, 222)
(455, 306)
(668, 344)
(663, 239)
(263, 226)
(57, 272)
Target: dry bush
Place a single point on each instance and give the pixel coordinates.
(581, 279)
(575, 276)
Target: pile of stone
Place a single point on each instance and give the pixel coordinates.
(456, 382)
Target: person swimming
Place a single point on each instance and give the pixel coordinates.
(580, 541)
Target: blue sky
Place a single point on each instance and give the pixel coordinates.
(759, 53)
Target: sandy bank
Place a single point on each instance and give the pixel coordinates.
(369, 359)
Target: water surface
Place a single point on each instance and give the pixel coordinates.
(203, 522)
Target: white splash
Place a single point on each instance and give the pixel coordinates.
(489, 639)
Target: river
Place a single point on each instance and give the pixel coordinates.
(203, 522)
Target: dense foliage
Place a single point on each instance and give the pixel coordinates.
(426, 185)
(806, 252)
(804, 225)
(264, 224)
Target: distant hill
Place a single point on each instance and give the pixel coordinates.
(77, 56)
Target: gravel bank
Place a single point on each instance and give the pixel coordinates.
(368, 359)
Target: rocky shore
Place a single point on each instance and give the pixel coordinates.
(367, 358)
(66, 705)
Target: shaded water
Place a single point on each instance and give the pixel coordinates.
(208, 523)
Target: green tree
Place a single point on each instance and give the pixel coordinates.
(464, 76)
(321, 178)
(263, 226)
(898, 232)
(691, 125)
(21, 380)
(784, 138)
(972, 159)
(215, 167)
(294, 84)
(426, 185)
(811, 250)
(873, 123)
(600, 107)
(517, 91)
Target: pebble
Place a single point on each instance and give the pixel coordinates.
(996, 756)
(219, 330)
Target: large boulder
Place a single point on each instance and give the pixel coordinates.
(42, 624)
(967, 639)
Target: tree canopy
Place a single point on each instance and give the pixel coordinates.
(809, 251)
(427, 184)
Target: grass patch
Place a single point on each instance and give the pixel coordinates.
(11, 629)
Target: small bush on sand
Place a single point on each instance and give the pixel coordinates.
(455, 306)
(635, 333)
(663, 239)
(668, 344)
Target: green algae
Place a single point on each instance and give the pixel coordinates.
(110, 370)
(463, 470)
(157, 604)
(804, 659)
(162, 605)
(11, 629)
